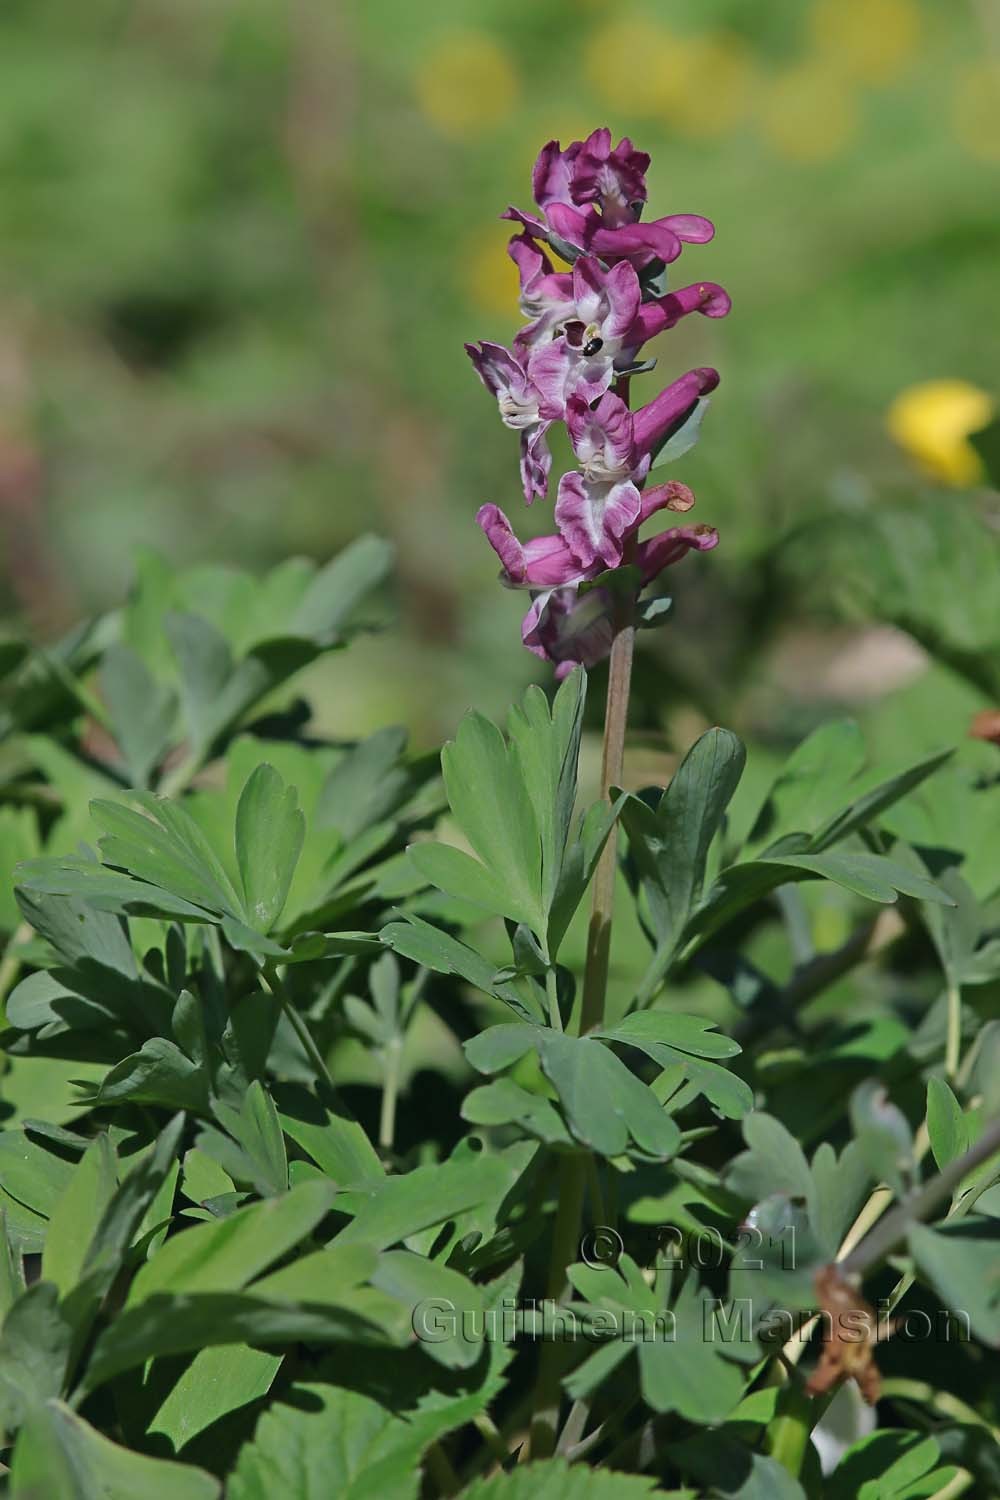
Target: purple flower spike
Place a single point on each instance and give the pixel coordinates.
(546, 295)
(652, 424)
(602, 436)
(586, 327)
(570, 628)
(560, 372)
(656, 317)
(521, 407)
(614, 180)
(607, 304)
(595, 516)
(541, 563)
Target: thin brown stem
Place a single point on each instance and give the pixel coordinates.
(573, 1169)
(891, 1229)
(595, 976)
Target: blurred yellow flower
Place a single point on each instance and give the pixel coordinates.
(976, 109)
(808, 112)
(700, 85)
(467, 84)
(932, 422)
(626, 62)
(710, 86)
(872, 40)
(488, 274)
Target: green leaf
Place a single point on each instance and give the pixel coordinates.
(102, 889)
(810, 784)
(494, 810)
(684, 435)
(168, 1324)
(164, 846)
(876, 801)
(207, 670)
(672, 1040)
(959, 1260)
(329, 1134)
(341, 1433)
(670, 845)
(338, 588)
(34, 1351)
(270, 830)
(11, 1277)
(946, 1124)
(506, 1103)
(883, 1135)
(159, 1073)
(554, 1479)
(257, 1128)
(31, 1174)
(459, 875)
(546, 748)
(695, 1371)
(774, 1162)
(605, 1104)
(142, 711)
(427, 945)
(987, 444)
(216, 1382)
(77, 1214)
(140, 1192)
(888, 1465)
(498, 1046)
(732, 1470)
(419, 1283)
(226, 1254)
(869, 875)
(396, 1207)
(59, 1456)
(365, 784)
(676, 1035)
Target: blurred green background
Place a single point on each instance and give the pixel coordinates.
(242, 242)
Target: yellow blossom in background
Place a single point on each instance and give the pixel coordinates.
(467, 84)
(709, 87)
(698, 85)
(932, 422)
(626, 62)
(808, 113)
(488, 274)
(976, 109)
(871, 40)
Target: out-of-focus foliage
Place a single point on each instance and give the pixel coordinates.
(241, 245)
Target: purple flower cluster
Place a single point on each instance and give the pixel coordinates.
(585, 332)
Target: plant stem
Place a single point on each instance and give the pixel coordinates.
(273, 982)
(595, 976)
(788, 1434)
(565, 1237)
(919, 1205)
(440, 1469)
(573, 1169)
(953, 1039)
(390, 1092)
(552, 991)
(10, 966)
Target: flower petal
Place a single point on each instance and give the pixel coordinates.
(536, 461)
(653, 423)
(670, 546)
(595, 517)
(601, 436)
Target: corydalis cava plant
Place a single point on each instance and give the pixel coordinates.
(572, 363)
